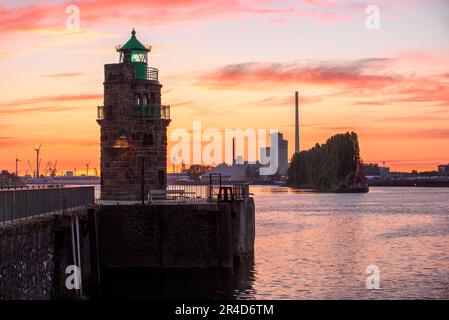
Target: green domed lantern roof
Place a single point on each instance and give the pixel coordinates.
(133, 51)
(133, 44)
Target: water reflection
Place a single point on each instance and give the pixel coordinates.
(317, 246)
(142, 284)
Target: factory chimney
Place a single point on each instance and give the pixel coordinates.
(296, 123)
(233, 151)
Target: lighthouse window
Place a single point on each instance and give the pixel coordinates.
(145, 99)
(137, 99)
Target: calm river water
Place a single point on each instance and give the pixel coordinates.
(317, 246)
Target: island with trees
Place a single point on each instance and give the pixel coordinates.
(334, 166)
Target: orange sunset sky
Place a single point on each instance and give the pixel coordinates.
(232, 64)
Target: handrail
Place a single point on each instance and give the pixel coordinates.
(100, 112)
(152, 74)
(151, 110)
(179, 194)
(28, 202)
(143, 110)
(146, 73)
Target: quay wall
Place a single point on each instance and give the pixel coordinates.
(34, 255)
(161, 236)
(186, 238)
(183, 237)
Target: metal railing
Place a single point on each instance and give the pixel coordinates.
(100, 112)
(28, 202)
(152, 74)
(181, 194)
(165, 111)
(146, 73)
(33, 186)
(151, 110)
(143, 110)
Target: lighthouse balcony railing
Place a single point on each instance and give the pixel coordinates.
(147, 73)
(152, 74)
(151, 110)
(100, 112)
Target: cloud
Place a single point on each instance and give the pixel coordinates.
(45, 99)
(413, 118)
(52, 15)
(54, 142)
(352, 74)
(371, 103)
(428, 90)
(430, 134)
(184, 103)
(390, 133)
(370, 79)
(62, 75)
(35, 109)
(272, 101)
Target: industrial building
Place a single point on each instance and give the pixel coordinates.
(443, 168)
(272, 156)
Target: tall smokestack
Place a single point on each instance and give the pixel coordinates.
(296, 123)
(233, 151)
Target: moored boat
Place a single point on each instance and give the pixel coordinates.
(359, 184)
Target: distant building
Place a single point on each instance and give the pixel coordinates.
(443, 168)
(69, 173)
(239, 160)
(173, 178)
(267, 154)
(373, 170)
(244, 172)
(237, 172)
(384, 171)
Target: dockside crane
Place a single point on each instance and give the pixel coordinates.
(31, 168)
(53, 169)
(47, 168)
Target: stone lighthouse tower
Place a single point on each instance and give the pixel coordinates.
(133, 126)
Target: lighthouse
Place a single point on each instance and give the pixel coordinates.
(133, 125)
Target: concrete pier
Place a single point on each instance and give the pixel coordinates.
(179, 238)
(187, 238)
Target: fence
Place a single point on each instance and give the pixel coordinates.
(182, 194)
(27, 202)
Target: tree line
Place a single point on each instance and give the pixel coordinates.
(327, 166)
